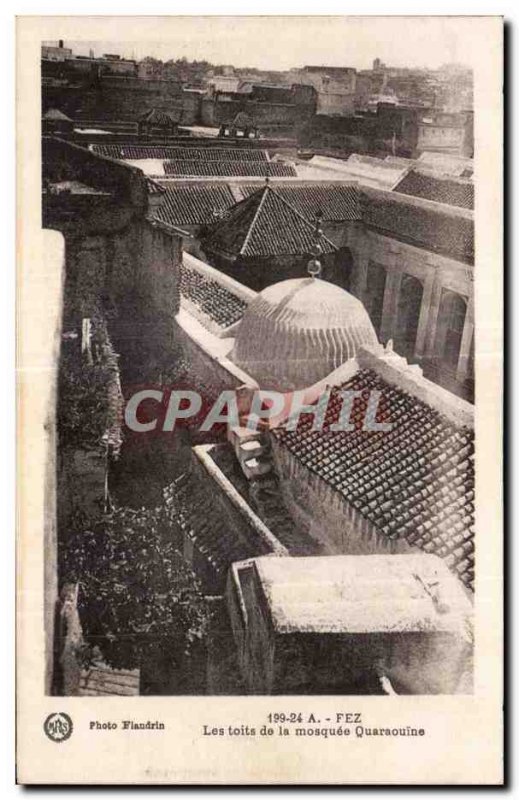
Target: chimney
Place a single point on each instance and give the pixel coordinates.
(60, 44)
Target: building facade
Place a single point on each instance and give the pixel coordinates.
(417, 296)
(335, 86)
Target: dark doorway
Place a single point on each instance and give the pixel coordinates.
(408, 315)
(342, 268)
(449, 330)
(374, 295)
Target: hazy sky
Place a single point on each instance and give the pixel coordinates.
(284, 42)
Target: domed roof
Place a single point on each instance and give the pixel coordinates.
(298, 331)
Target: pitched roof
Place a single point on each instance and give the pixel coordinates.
(196, 510)
(243, 120)
(264, 224)
(414, 482)
(140, 151)
(200, 168)
(210, 297)
(217, 154)
(194, 205)
(159, 117)
(441, 189)
(440, 229)
(335, 202)
(154, 187)
(56, 114)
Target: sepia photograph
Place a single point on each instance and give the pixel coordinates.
(253, 298)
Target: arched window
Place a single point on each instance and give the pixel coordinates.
(408, 315)
(449, 329)
(343, 268)
(374, 294)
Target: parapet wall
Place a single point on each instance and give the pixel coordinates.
(258, 534)
(206, 359)
(65, 161)
(397, 372)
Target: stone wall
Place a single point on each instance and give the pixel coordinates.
(349, 133)
(264, 115)
(90, 410)
(133, 275)
(253, 635)
(82, 483)
(440, 139)
(114, 98)
(415, 663)
(63, 160)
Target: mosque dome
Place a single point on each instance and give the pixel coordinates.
(296, 332)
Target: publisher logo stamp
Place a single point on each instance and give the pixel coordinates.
(58, 727)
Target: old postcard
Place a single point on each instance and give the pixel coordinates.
(259, 391)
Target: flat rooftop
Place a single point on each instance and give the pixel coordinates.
(357, 594)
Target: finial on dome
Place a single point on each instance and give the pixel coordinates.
(314, 265)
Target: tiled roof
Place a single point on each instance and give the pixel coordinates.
(210, 297)
(199, 515)
(414, 482)
(452, 191)
(337, 203)
(139, 151)
(196, 168)
(194, 205)
(129, 151)
(448, 231)
(217, 154)
(154, 187)
(264, 224)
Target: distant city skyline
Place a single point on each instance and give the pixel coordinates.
(296, 41)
